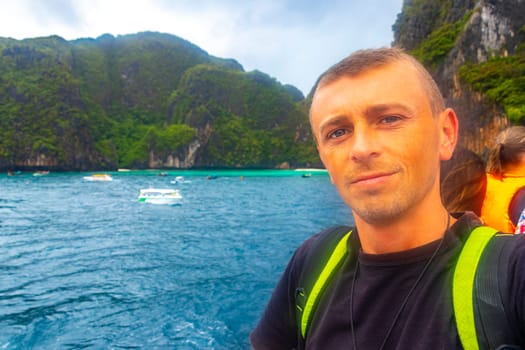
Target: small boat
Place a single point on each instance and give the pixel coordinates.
(98, 177)
(180, 180)
(307, 175)
(41, 173)
(159, 196)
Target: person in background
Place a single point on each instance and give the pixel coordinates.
(381, 129)
(463, 182)
(517, 211)
(505, 176)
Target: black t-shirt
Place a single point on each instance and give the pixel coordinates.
(382, 284)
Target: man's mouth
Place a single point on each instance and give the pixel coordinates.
(370, 177)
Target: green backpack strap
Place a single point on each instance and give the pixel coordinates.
(324, 258)
(495, 329)
(478, 306)
(479, 279)
(463, 285)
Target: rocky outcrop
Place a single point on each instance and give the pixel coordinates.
(494, 28)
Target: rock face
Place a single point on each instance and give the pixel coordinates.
(492, 28)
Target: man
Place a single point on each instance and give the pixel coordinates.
(381, 129)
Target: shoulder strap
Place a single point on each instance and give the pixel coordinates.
(323, 260)
(463, 285)
(495, 330)
(476, 291)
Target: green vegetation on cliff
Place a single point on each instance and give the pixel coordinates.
(139, 101)
(502, 80)
(482, 42)
(433, 50)
(428, 27)
(251, 119)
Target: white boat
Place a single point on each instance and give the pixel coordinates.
(159, 196)
(98, 177)
(180, 180)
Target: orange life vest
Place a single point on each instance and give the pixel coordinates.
(495, 210)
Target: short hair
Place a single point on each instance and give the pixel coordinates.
(364, 60)
(463, 182)
(509, 148)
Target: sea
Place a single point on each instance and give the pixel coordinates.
(85, 265)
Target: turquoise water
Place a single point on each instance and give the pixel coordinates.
(84, 265)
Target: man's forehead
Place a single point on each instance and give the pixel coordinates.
(391, 85)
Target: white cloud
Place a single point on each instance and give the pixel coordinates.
(291, 40)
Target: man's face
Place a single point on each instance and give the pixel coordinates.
(378, 140)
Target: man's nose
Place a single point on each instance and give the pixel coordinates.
(365, 144)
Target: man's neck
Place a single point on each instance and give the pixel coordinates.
(407, 232)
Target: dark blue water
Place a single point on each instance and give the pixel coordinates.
(84, 265)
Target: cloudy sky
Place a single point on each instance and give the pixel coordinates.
(291, 40)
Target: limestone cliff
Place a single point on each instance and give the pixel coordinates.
(450, 34)
(145, 100)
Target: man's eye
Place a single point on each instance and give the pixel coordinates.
(337, 133)
(390, 119)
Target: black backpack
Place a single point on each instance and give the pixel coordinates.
(481, 318)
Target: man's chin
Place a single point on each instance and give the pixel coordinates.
(377, 214)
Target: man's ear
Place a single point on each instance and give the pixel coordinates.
(448, 124)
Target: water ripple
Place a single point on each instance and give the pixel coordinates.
(85, 266)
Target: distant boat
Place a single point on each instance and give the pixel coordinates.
(41, 173)
(159, 196)
(307, 175)
(180, 180)
(98, 177)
